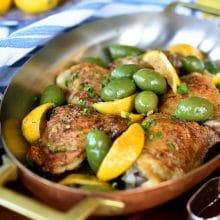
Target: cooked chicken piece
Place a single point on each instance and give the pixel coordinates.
(173, 147)
(198, 85)
(83, 81)
(62, 145)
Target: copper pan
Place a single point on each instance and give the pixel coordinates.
(146, 30)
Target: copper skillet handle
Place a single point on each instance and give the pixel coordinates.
(38, 211)
(195, 6)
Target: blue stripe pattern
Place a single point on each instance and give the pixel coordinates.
(31, 35)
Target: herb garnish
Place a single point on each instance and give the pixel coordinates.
(105, 81)
(150, 137)
(159, 134)
(90, 91)
(67, 83)
(170, 147)
(127, 114)
(75, 75)
(85, 112)
(82, 103)
(49, 143)
(147, 125)
(173, 118)
(183, 89)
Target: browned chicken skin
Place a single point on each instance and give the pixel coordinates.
(198, 85)
(62, 145)
(173, 147)
(85, 82)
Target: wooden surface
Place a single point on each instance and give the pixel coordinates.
(173, 210)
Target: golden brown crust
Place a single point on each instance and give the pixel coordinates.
(86, 75)
(199, 85)
(62, 145)
(173, 147)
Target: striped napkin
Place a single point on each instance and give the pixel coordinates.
(18, 46)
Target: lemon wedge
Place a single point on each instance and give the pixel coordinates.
(34, 122)
(115, 107)
(159, 61)
(14, 139)
(133, 117)
(82, 179)
(35, 7)
(123, 153)
(216, 79)
(187, 50)
(5, 6)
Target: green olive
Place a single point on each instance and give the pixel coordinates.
(192, 64)
(118, 51)
(97, 146)
(148, 79)
(54, 94)
(194, 109)
(126, 70)
(96, 60)
(145, 102)
(212, 67)
(117, 89)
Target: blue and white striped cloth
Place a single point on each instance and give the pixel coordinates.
(19, 45)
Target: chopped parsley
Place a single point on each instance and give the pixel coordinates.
(183, 89)
(90, 91)
(85, 112)
(49, 143)
(159, 134)
(82, 103)
(170, 147)
(75, 75)
(105, 81)
(94, 110)
(147, 125)
(79, 128)
(127, 114)
(67, 83)
(173, 118)
(150, 137)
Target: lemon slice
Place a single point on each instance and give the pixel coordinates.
(216, 79)
(115, 107)
(33, 123)
(133, 117)
(123, 153)
(159, 61)
(5, 6)
(35, 7)
(14, 139)
(82, 179)
(187, 50)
